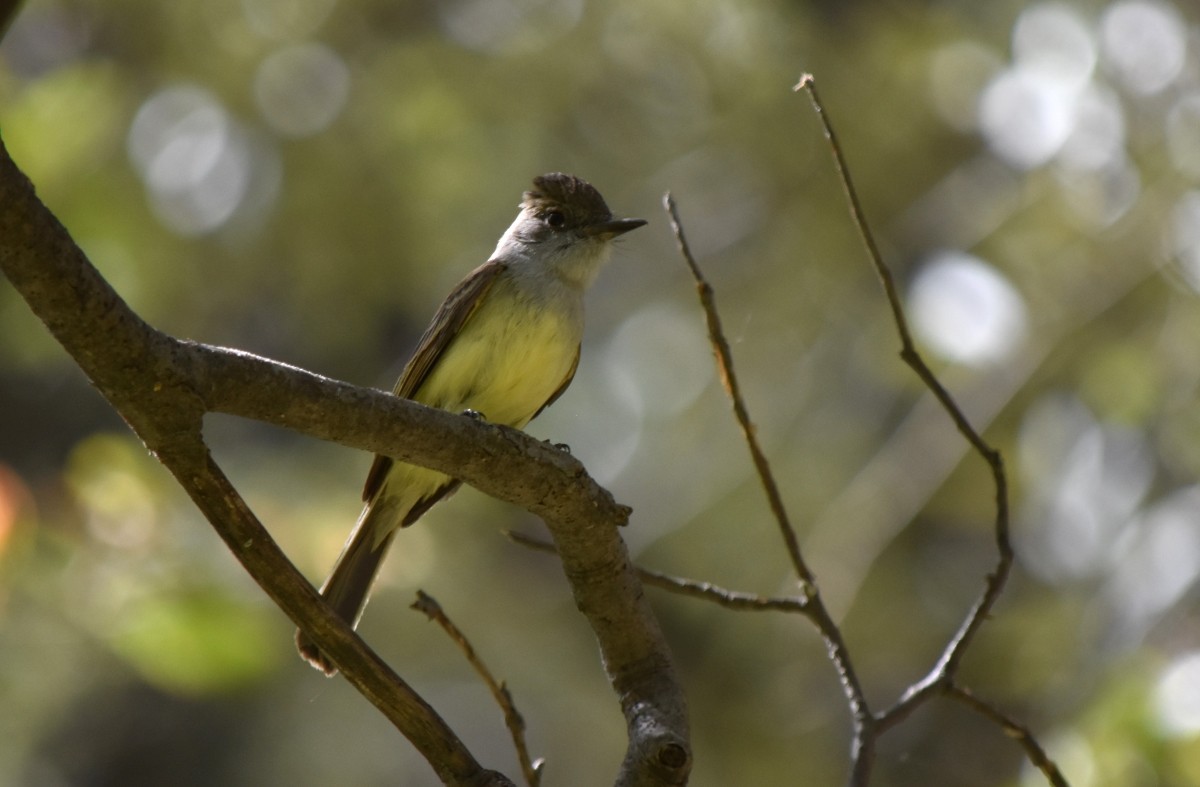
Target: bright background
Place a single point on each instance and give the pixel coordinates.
(306, 179)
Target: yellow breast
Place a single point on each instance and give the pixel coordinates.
(507, 361)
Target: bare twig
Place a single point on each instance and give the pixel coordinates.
(1015, 730)
(940, 678)
(908, 351)
(816, 611)
(512, 718)
(723, 597)
(724, 357)
(951, 657)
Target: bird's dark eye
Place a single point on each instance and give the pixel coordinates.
(555, 219)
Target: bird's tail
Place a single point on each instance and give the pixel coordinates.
(349, 583)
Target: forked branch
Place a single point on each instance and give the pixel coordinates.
(163, 386)
(816, 611)
(941, 679)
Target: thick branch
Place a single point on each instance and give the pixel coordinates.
(131, 364)
(253, 546)
(162, 387)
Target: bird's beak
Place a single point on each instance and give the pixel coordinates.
(613, 228)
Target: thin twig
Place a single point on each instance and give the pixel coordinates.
(724, 357)
(940, 679)
(909, 352)
(951, 657)
(816, 611)
(808, 83)
(707, 591)
(512, 718)
(1015, 730)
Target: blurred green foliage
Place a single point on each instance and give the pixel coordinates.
(307, 178)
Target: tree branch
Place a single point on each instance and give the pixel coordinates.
(163, 387)
(1015, 730)
(428, 605)
(253, 546)
(131, 364)
(941, 678)
(815, 609)
(706, 591)
(729, 380)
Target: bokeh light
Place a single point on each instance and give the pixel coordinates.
(1053, 42)
(1154, 563)
(1097, 139)
(1089, 479)
(1177, 696)
(1025, 117)
(1183, 135)
(1184, 232)
(193, 158)
(1144, 44)
(508, 25)
(301, 89)
(657, 362)
(966, 310)
(287, 20)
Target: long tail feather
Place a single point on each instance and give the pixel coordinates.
(349, 584)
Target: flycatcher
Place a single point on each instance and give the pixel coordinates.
(504, 344)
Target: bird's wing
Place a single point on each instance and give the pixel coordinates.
(566, 382)
(453, 314)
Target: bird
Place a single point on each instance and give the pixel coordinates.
(503, 346)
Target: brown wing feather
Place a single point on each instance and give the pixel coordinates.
(566, 382)
(453, 314)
